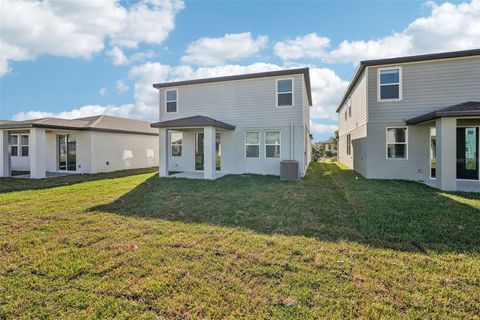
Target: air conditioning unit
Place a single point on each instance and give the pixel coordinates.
(289, 170)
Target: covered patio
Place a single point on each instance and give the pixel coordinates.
(454, 146)
(206, 145)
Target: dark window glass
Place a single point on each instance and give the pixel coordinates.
(71, 153)
(284, 99)
(390, 76)
(176, 151)
(284, 85)
(172, 95)
(14, 151)
(24, 151)
(252, 151)
(24, 140)
(272, 151)
(172, 106)
(391, 91)
(397, 151)
(14, 139)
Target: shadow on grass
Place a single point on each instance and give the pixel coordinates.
(20, 184)
(330, 203)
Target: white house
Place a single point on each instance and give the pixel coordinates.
(49, 146)
(236, 124)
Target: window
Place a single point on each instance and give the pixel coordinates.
(285, 93)
(171, 100)
(433, 152)
(349, 144)
(389, 87)
(346, 115)
(349, 108)
(252, 144)
(14, 145)
(272, 144)
(397, 143)
(24, 145)
(176, 139)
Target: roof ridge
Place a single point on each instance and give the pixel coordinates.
(92, 124)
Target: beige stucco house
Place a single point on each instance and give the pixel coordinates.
(52, 146)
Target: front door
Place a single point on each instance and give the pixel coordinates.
(67, 152)
(199, 154)
(467, 153)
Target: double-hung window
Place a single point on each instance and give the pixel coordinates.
(14, 145)
(176, 143)
(24, 145)
(171, 100)
(284, 92)
(272, 144)
(349, 108)
(390, 84)
(349, 144)
(252, 144)
(397, 143)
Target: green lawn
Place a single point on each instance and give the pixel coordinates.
(333, 245)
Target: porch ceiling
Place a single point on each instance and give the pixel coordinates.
(193, 122)
(466, 109)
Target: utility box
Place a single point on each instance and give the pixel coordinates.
(289, 170)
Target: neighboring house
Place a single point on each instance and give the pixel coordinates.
(83, 145)
(414, 118)
(235, 124)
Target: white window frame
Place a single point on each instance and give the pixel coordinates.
(251, 144)
(405, 143)
(349, 145)
(269, 144)
(21, 145)
(15, 145)
(277, 93)
(176, 110)
(177, 145)
(400, 84)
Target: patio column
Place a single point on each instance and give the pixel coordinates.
(4, 154)
(446, 178)
(209, 153)
(37, 153)
(163, 152)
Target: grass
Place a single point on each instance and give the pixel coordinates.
(333, 245)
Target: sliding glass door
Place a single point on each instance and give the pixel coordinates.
(67, 152)
(467, 149)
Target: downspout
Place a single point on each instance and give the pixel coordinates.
(291, 140)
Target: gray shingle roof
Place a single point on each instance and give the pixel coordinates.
(95, 123)
(193, 122)
(465, 109)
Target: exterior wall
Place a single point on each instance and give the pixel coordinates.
(83, 157)
(427, 86)
(249, 105)
(356, 126)
(122, 151)
(233, 152)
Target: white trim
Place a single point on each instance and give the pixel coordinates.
(277, 93)
(171, 145)
(400, 84)
(405, 143)
(14, 145)
(279, 142)
(176, 101)
(21, 145)
(251, 144)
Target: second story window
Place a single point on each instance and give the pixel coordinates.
(284, 92)
(389, 84)
(349, 108)
(171, 100)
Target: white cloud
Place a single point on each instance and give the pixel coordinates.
(310, 46)
(449, 27)
(85, 111)
(79, 29)
(216, 51)
(327, 88)
(121, 86)
(323, 128)
(117, 56)
(103, 91)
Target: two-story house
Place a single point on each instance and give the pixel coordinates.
(235, 124)
(414, 118)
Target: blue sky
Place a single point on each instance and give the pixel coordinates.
(82, 58)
